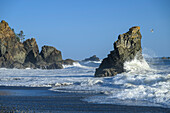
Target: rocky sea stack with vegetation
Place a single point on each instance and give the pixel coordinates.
(126, 48)
(16, 53)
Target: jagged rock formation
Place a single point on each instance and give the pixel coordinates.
(49, 58)
(11, 51)
(32, 50)
(93, 58)
(50, 54)
(126, 48)
(14, 54)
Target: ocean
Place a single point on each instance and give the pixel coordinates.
(146, 82)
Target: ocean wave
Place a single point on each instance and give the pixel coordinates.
(141, 85)
(75, 64)
(144, 83)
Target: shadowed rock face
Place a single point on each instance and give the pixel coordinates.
(49, 58)
(32, 50)
(126, 48)
(50, 54)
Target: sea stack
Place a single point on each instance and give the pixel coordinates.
(126, 48)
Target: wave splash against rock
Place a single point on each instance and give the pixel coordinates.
(126, 48)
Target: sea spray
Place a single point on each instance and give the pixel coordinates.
(136, 66)
(140, 85)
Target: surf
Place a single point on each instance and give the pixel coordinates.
(145, 83)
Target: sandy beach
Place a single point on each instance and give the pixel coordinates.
(27, 99)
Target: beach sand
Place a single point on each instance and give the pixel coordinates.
(27, 99)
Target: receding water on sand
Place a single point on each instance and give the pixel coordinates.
(145, 83)
(40, 99)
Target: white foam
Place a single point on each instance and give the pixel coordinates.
(75, 64)
(141, 85)
(92, 62)
(137, 66)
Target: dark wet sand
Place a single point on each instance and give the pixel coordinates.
(26, 99)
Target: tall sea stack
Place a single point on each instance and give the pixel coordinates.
(126, 48)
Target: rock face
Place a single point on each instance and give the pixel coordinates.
(32, 50)
(126, 48)
(14, 54)
(50, 54)
(93, 58)
(10, 49)
(49, 58)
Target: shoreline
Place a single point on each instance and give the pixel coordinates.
(40, 99)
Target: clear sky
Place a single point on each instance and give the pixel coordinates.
(82, 28)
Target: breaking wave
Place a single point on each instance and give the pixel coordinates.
(141, 85)
(75, 64)
(137, 66)
(144, 83)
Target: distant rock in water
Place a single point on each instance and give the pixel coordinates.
(165, 58)
(126, 48)
(68, 62)
(93, 58)
(14, 54)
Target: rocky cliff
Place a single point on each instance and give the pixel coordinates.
(14, 54)
(126, 48)
(11, 51)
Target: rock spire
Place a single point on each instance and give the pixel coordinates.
(126, 48)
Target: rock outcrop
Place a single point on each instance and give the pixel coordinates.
(10, 49)
(49, 58)
(14, 54)
(32, 50)
(126, 48)
(93, 58)
(68, 62)
(50, 54)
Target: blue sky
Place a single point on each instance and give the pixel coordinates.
(82, 28)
